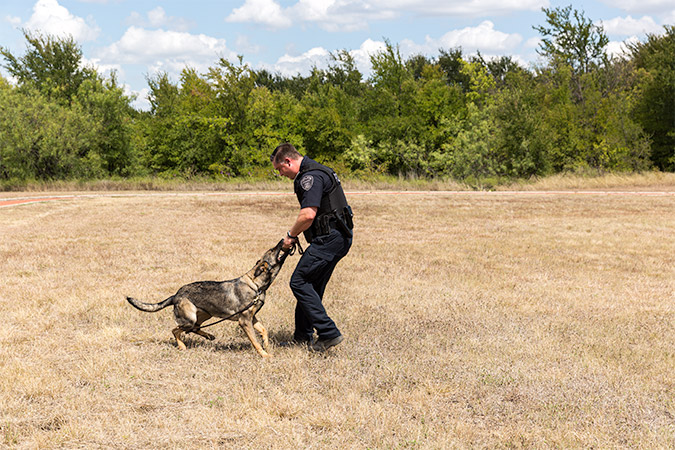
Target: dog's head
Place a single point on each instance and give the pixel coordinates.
(268, 267)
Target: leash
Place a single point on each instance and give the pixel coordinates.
(296, 244)
(255, 300)
(290, 252)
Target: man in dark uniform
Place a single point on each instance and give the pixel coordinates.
(325, 218)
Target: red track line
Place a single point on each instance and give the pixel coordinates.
(21, 201)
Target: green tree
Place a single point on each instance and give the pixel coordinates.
(416, 64)
(185, 134)
(232, 85)
(342, 73)
(473, 154)
(500, 68)
(481, 83)
(572, 39)
(41, 139)
(275, 117)
(451, 63)
(52, 65)
(388, 101)
(390, 74)
(326, 124)
(522, 139)
(107, 105)
(296, 85)
(436, 106)
(158, 153)
(655, 110)
(163, 95)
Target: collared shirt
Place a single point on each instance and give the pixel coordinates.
(311, 186)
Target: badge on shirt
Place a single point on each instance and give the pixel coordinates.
(307, 182)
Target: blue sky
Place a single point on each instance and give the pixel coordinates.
(141, 37)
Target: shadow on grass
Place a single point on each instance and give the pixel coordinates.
(236, 344)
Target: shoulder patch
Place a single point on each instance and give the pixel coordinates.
(307, 182)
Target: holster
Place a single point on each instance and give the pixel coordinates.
(341, 221)
(345, 221)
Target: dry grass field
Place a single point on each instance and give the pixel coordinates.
(472, 320)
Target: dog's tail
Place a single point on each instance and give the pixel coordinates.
(150, 307)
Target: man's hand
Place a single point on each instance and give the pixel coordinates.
(288, 242)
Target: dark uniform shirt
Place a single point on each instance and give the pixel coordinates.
(311, 186)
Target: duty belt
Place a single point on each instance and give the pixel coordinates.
(331, 221)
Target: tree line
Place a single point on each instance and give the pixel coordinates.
(446, 115)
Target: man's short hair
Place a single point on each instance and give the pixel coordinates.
(284, 151)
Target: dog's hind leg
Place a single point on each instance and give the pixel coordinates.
(178, 334)
(260, 328)
(204, 334)
(185, 313)
(202, 317)
(247, 325)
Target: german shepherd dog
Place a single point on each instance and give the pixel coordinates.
(238, 299)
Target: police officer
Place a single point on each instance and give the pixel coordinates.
(325, 218)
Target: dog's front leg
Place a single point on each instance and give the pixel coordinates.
(260, 328)
(247, 325)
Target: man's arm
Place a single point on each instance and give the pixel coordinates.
(304, 221)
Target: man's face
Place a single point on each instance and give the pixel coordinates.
(285, 168)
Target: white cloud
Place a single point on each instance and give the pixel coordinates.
(101, 68)
(627, 26)
(264, 12)
(653, 6)
(483, 38)
(340, 15)
(620, 48)
(532, 42)
(350, 15)
(157, 18)
(140, 101)
(168, 51)
(14, 21)
(244, 46)
(290, 66)
(462, 7)
(49, 17)
(363, 54)
(139, 45)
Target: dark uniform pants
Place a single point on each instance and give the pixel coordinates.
(308, 283)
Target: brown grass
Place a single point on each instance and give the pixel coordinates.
(646, 181)
(471, 320)
(565, 181)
